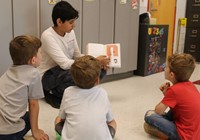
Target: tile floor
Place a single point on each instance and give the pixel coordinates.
(130, 99)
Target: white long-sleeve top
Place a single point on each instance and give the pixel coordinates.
(58, 50)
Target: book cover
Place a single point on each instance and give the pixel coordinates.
(110, 50)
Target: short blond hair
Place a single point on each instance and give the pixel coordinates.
(85, 71)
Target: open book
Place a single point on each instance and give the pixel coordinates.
(110, 50)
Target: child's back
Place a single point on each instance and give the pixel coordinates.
(186, 110)
(20, 87)
(87, 111)
(14, 85)
(85, 108)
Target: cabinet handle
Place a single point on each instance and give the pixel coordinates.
(195, 16)
(193, 46)
(194, 31)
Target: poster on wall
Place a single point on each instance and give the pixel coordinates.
(134, 4)
(52, 1)
(156, 49)
(152, 49)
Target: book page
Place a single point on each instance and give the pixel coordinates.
(113, 51)
(96, 49)
(110, 50)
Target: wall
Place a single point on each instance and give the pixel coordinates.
(6, 29)
(143, 6)
(180, 13)
(18, 17)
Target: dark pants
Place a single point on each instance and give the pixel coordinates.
(55, 81)
(21, 134)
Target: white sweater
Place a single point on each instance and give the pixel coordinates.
(58, 50)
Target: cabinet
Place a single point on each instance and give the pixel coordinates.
(192, 41)
(77, 4)
(152, 49)
(45, 15)
(25, 18)
(5, 34)
(126, 33)
(100, 21)
(17, 21)
(112, 22)
(98, 25)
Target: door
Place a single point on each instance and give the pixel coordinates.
(25, 18)
(126, 33)
(98, 25)
(90, 22)
(78, 23)
(5, 34)
(164, 12)
(45, 14)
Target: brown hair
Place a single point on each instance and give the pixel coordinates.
(182, 65)
(85, 71)
(23, 48)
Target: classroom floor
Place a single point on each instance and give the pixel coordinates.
(130, 99)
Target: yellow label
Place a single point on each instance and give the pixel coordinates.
(183, 21)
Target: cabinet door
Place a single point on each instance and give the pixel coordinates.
(106, 25)
(77, 4)
(98, 23)
(90, 24)
(45, 15)
(25, 17)
(126, 33)
(5, 35)
(192, 42)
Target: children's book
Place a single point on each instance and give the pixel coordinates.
(110, 50)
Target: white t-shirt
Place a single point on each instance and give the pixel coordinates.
(17, 85)
(58, 50)
(86, 112)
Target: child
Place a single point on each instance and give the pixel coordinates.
(85, 108)
(20, 86)
(59, 49)
(183, 99)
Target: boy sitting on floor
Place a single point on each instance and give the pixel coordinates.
(85, 109)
